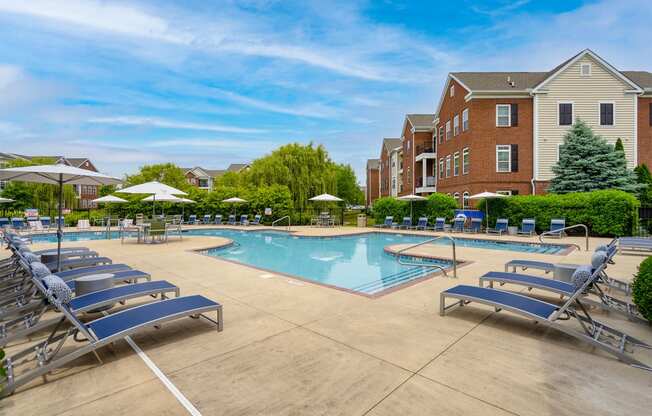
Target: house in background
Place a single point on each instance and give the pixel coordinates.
(391, 162)
(419, 155)
(85, 193)
(203, 178)
(372, 188)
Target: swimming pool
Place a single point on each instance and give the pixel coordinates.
(355, 263)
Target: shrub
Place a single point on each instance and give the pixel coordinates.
(389, 206)
(606, 213)
(436, 205)
(642, 289)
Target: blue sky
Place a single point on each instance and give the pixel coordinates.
(210, 83)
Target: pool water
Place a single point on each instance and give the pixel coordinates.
(357, 263)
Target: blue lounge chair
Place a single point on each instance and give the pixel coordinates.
(17, 223)
(422, 224)
(389, 222)
(440, 224)
(61, 220)
(635, 244)
(475, 227)
(207, 219)
(218, 219)
(458, 224)
(244, 219)
(527, 227)
(256, 220)
(407, 223)
(46, 223)
(501, 227)
(4, 222)
(594, 332)
(87, 271)
(556, 225)
(98, 333)
(231, 220)
(192, 219)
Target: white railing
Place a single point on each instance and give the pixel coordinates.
(281, 219)
(559, 231)
(398, 254)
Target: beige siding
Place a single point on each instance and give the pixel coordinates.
(585, 93)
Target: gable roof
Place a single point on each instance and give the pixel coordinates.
(237, 167)
(497, 81)
(373, 164)
(420, 121)
(391, 144)
(642, 78)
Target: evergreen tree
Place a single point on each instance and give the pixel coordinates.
(644, 177)
(588, 163)
(619, 146)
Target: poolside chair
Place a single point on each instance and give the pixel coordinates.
(4, 222)
(565, 289)
(192, 219)
(475, 227)
(406, 224)
(458, 224)
(556, 225)
(218, 219)
(440, 224)
(634, 244)
(158, 231)
(256, 220)
(207, 219)
(35, 226)
(244, 219)
(48, 355)
(501, 227)
(389, 222)
(527, 227)
(46, 223)
(17, 223)
(60, 220)
(422, 224)
(554, 316)
(231, 220)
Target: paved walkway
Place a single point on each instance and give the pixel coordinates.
(294, 348)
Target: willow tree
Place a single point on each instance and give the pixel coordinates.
(166, 173)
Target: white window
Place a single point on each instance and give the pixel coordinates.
(441, 167)
(558, 150)
(408, 145)
(508, 193)
(503, 158)
(466, 161)
(465, 200)
(448, 130)
(503, 115)
(465, 119)
(441, 134)
(585, 70)
(607, 113)
(565, 113)
(456, 125)
(456, 164)
(452, 90)
(3, 185)
(448, 166)
(456, 195)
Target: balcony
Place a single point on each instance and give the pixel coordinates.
(427, 186)
(425, 151)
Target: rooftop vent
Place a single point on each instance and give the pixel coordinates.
(510, 82)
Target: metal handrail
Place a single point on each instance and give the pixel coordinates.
(586, 234)
(398, 253)
(282, 218)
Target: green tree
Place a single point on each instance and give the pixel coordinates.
(618, 147)
(588, 163)
(644, 177)
(166, 173)
(229, 179)
(347, 186)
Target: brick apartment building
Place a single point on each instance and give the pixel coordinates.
(205, 178)
(372, 188)
(501, 131)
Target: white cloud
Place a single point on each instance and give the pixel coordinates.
(170, 124)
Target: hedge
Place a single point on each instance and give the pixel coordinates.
(436, 205)
(606, 213)
(642, 289)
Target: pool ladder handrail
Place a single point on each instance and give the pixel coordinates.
(281, 219)
(586, 234)
(398, 254)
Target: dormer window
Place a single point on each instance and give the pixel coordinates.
(452, 90)
(585, 70)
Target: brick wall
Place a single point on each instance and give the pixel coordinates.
(384, 173)
(373, 177)
(644, 134)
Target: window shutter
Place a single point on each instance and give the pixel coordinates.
(514, 192)
(650, 114)
(514, 115)
(514, 153)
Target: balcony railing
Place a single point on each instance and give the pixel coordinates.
(424, 148)
(430, 181)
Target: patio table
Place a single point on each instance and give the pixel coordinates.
(94, 283)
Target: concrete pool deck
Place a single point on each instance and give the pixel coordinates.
(292, 347)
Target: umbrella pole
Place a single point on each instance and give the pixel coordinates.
(154, 206)
(59, 230)
(486, 211)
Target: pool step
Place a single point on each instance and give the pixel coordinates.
(392, 280)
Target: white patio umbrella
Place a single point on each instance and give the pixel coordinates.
(235, 200)
(183, 202)
(60, 175)
(154, 188)
(108, 200)
(411, 198)
(326, 198)
(5, 200)
(487, 195)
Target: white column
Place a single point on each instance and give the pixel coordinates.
(424, 169)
